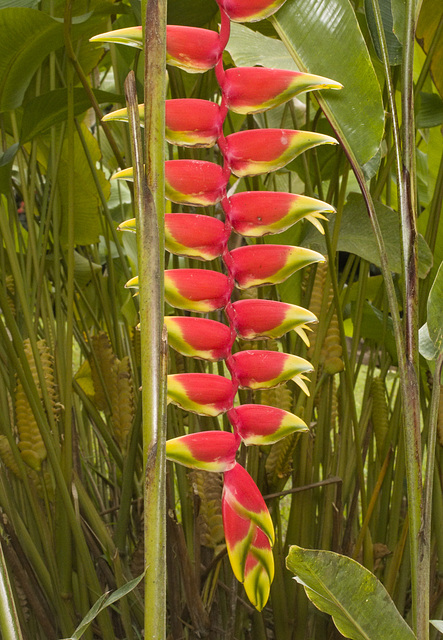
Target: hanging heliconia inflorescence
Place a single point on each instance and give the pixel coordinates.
(249, 531)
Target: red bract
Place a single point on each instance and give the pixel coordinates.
(261, 424)
(188, 123)
(267, 318)
(259, 570)
(243, 496)
(199, 337)
(266, 369)
(258, 213)
(189, 48)
(209, 450)
(203, 393)
(249, 10)
(255, 89)
(192, 49)
(194, 235)
(192, 123)
(255, 265)
(199, 290)
(194, 182)
(251, 153)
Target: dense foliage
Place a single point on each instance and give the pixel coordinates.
(369, 470)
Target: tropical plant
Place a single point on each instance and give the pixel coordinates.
(74, 474)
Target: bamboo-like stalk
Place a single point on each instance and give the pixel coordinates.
(153, 342)
(404, 147)
(149, 197)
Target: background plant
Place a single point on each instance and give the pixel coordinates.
(347, 479)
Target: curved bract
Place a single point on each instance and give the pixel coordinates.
(257, 89)
(259, 213)
(258, 151)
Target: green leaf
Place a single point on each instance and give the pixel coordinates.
(431, 14)
(51, 108)
(435, 311)
(438, 624)
(6, 160)
(6, 4)
(356, 236)
(398, 14)
(323, 37)
(359, 604)
(375, 327)
(392, 43)
(425, 345)
(28, 36)
(104, 601)
(250, 48)
(196, 13)
(87, 223)
(430, 111)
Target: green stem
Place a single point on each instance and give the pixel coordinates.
(425, 532)
(9, 621)
(149, 201)
(153, 343)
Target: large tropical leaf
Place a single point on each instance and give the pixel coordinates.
(250, 48)
(359, 604)
(28, 36)
(324, 38)
(87, 223)
(356, 236)
(49, 109)
(392, 42)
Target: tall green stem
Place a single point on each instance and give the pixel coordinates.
(409, 377)
(404, 146)
(150, 194)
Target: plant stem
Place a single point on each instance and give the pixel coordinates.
(405, 160)
(149, 197)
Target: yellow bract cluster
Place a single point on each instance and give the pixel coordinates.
(31, 443)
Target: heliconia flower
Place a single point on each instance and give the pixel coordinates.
(130, 36)
(256, 89)
(259, 570)
(243, 496)
(190, 48)
(255, 265)
(194, 182)
(261, 424)
(128, 225)
(258, 213)
(260, 369)
(257, 151)
(204, 393)
(132, 283)
(239, 532)
(192, 123)
(188, 122)
(198, 290)
(254, 319)
(194, 235)
(199, 337)
(208, 450)
(249, 10)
